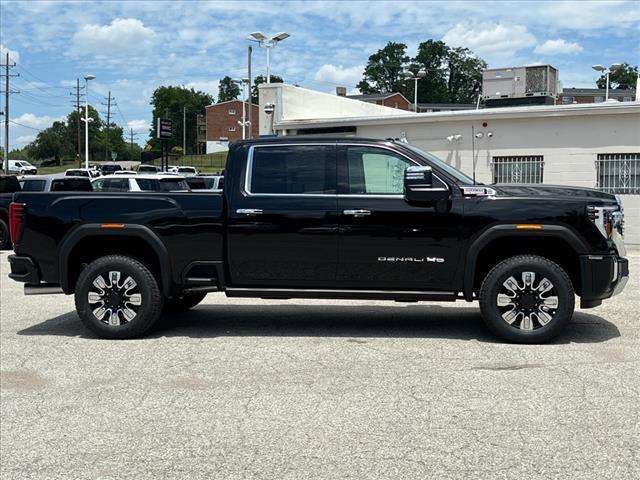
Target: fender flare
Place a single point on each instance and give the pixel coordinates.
(510, 230)
(95, 229)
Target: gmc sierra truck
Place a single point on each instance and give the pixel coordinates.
(339, 218)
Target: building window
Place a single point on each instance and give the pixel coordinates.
(518, 169)
(232, 129)
(598, 99)
(618, 173)
(232, 111)
(627, 99)
(567, 99)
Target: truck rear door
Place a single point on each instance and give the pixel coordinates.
(282, 227)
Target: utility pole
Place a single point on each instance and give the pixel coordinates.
(131, 136)
(184, 130)
(249, 50)
(106, 138)
(78, 117)
(7, 66)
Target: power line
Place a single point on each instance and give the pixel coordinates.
(26, 126)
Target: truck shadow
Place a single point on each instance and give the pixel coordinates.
(298, 320)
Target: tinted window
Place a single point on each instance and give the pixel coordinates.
(33, 185)
(71, 185)
(375, 171)
(9, 184)
(77, 173)
(173, 185)
(147, 168)
(115, 185)
(186, 170)
(147, 184)
(199, 183)
(301, 169)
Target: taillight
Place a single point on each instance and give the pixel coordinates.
(16, 216)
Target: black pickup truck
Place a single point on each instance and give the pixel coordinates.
(341, 218)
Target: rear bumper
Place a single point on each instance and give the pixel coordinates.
(603, 276)
(23, 269)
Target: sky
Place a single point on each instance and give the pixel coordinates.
(132, 47)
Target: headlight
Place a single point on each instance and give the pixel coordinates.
(607, 219)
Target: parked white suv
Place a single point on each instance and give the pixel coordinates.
(140, 183)
(22, 167)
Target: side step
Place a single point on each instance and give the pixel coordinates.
(42, 289)
(397, 295)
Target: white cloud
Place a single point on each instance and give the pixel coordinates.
(138, 125)
(339, 75)
(206, 86)
(35, 121)
(13, 54)
(496, 42)
(23, 140)
(558, 47)
(123, 36)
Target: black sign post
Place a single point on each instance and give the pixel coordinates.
(163, 133)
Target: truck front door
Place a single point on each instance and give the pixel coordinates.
(283, 224)
(384, 242)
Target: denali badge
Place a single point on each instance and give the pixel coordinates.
(411, 259)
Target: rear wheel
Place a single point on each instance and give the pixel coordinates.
(183, 302)
(5, 241)
(527, 299)
(118, 297)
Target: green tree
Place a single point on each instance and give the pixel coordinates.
(52, 142)
(168, 102)
(383, 72)
(262, 79)
(227, 90)
(624, 78)
(23, 153)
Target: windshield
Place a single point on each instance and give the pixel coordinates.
(444, 166)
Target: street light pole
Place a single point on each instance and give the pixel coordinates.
(86, 120)
(409, 75)
(602, 69)
(268, 43)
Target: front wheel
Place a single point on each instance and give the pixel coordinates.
(527, 299)
(118, 297)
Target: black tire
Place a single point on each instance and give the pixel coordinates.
(144, 299)
(525, 312)
(183, 302)
(5, 241)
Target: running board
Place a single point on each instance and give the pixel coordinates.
(397, 295)
(42, 289)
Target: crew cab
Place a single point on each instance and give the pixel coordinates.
(318, 217)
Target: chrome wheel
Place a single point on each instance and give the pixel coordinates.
(526, 303)
(114, 298)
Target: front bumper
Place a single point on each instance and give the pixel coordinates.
(603, 276)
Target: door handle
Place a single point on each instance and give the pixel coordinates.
(249, 211)
(357, 213)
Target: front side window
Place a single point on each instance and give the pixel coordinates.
(518, 169)
(293, 170)
(375, 171)
(147, 184)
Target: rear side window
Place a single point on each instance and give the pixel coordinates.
(33, 185)
(299, 169)
(199, 183)
(71, 185)
(147, 184)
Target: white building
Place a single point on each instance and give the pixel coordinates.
(587, 145)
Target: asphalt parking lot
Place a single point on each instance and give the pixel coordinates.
(240, 389)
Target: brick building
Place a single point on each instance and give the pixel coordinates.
(222, 119)
(393, 100)
(594, 95)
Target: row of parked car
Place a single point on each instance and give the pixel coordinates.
(23, 167)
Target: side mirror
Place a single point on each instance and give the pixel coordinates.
(419, 188)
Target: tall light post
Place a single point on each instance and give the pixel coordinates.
(409, 75)
(86, 119)
(268, 43)
(602, 69)
(243, 85)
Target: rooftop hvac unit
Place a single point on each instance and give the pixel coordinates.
(520, 82)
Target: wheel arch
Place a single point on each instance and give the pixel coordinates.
(141, 237)
(556, 242)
